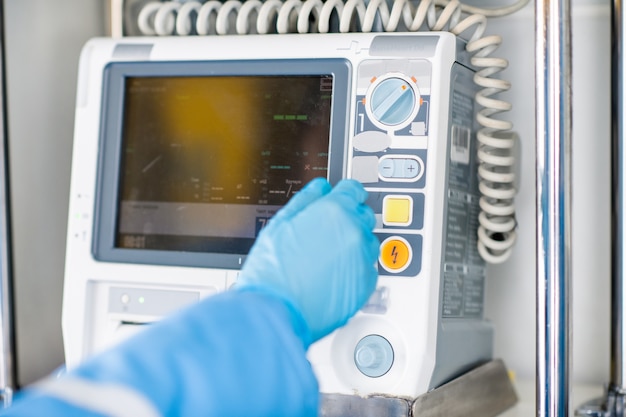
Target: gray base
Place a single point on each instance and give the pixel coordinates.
(612, 405)
(485, 391)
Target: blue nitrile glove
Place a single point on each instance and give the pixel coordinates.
(319, 254)
(239, 353)
(233, 354)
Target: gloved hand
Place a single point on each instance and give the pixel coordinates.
(319, 254)
(316, 260)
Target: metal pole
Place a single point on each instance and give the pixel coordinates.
(7, 341)
(614, 402)
(618, 344)
(554, 116)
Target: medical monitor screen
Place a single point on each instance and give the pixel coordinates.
(207, 161)
(196, 157)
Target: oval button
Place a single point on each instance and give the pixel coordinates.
(400, 168)
(371, 141)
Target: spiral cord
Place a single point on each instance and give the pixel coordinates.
(496, 140)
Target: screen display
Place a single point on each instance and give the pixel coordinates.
(207, 161)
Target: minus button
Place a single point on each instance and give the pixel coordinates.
(386, 167)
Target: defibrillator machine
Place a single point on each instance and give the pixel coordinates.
(185, 148)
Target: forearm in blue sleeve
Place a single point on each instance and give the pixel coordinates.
(235, 354)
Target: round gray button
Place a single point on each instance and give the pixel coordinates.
(373, 356)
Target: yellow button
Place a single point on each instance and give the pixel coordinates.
(395, 254)
(397, 210)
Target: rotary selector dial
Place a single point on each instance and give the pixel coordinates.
(392, 101)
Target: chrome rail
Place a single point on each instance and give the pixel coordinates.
(553, 165)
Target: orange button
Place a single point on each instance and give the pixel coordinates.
(395, 254)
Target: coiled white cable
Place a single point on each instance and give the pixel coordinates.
(497, 143)
(215, 17)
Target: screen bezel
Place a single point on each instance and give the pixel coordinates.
(110, 146)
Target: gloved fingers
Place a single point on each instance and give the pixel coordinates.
(351, 196)
(373, 245)
(315, 189)
(350, 189)
(371, 252)
(366, 217)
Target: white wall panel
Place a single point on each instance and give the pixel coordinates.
(43, 41)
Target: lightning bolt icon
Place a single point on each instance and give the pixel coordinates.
(394, 253)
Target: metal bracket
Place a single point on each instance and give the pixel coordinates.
(485, 391)
(6, 397)
(611, 405)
